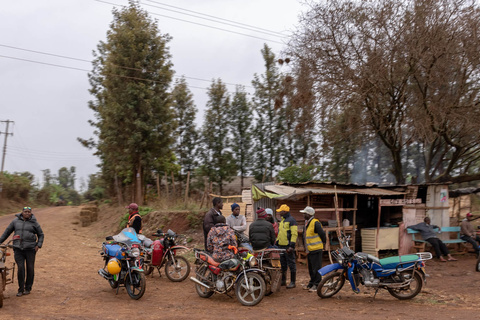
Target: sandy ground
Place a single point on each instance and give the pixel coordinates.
(67, 286)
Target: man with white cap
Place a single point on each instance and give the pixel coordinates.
(314, 237)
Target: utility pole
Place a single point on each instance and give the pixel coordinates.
(6, 133)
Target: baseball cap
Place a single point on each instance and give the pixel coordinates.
(308, 210)
(133, 206)
(284, 207)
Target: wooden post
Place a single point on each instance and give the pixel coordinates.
(337, 215)
(205, 191)
(186, 188)
(378, 224)
(355, 200)
(166, 184)
(158, 186)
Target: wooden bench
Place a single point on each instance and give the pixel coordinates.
(419, 243)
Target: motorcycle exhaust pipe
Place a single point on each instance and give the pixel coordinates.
(104, 274)
(200, 283)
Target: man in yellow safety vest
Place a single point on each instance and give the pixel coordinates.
(314, 238)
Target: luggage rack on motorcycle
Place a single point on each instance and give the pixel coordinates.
(424, 256)
(272, 256)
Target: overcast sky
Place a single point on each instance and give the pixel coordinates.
(45, 53)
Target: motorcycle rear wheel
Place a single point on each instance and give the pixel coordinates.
(254, 293)
(136, 286)
(204, 272)
(330, 285)
(410, 291)
(148, 268)
(477, 267)
(177, 270)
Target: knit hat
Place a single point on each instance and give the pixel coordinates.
(284, 207)
(261, 213)
(235, 206)
(308, 210)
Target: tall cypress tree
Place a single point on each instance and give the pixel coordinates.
(268, 129)
(186, 132)
(131, 75)
(240, 129)
(218, 163)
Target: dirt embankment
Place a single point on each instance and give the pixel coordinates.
(67, 286)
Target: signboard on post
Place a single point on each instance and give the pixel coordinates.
(398, 202)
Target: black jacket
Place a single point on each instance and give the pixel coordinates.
(261, 234)
(30, 232)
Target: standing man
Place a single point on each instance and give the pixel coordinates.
(134, 218)
(261, 232)
(286, 239)
(467, 233)
(314, 238)
(25, 248)
(236, 221)
(209, 220)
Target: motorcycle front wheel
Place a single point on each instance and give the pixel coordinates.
(203, 274)
(330, 285)
(408, 291)
(135, 285)
(253, 293)
(177, 270)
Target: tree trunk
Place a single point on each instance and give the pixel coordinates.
(158, 186)
(139, 195)
(187, 189)
(166, 185)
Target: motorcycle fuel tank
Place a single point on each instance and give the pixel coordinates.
(157, 253)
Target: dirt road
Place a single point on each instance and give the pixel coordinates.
(67, 286)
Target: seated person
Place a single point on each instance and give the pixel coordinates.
(426, 230)
(219, 238)
(468, 234)
(236, 221)
(261, 232)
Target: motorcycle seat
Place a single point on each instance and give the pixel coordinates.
(393, 262)
(202, 255)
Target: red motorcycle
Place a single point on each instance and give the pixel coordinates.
(163, 252)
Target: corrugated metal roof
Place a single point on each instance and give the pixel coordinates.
(293, 193)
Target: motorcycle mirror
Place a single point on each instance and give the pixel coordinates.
(159, 231)
(16, 237)
(109, 238)
(170, 232)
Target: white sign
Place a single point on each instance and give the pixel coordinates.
(399, 202)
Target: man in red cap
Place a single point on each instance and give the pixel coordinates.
(467, 233)
(134, 218)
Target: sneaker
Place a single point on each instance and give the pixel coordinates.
(313, 289)
(306, 287)
(26, 292)
(19, 294)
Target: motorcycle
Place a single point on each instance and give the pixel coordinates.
(6, 274)
(123, 256)
(268, 261)
(402, 276)
(164, 252)
(238, 273)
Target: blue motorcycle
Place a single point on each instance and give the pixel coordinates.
(123, 257)
(402, 276)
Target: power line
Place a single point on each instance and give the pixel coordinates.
(227, 22)
(200, 24)
(89, 61)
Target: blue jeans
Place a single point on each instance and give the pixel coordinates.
(473, 241)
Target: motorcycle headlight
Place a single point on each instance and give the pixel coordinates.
(135, 252)
(252, 262)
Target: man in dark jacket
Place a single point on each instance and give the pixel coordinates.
(314, 238)
(261, 232)
(209, 220)
(25, 248)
